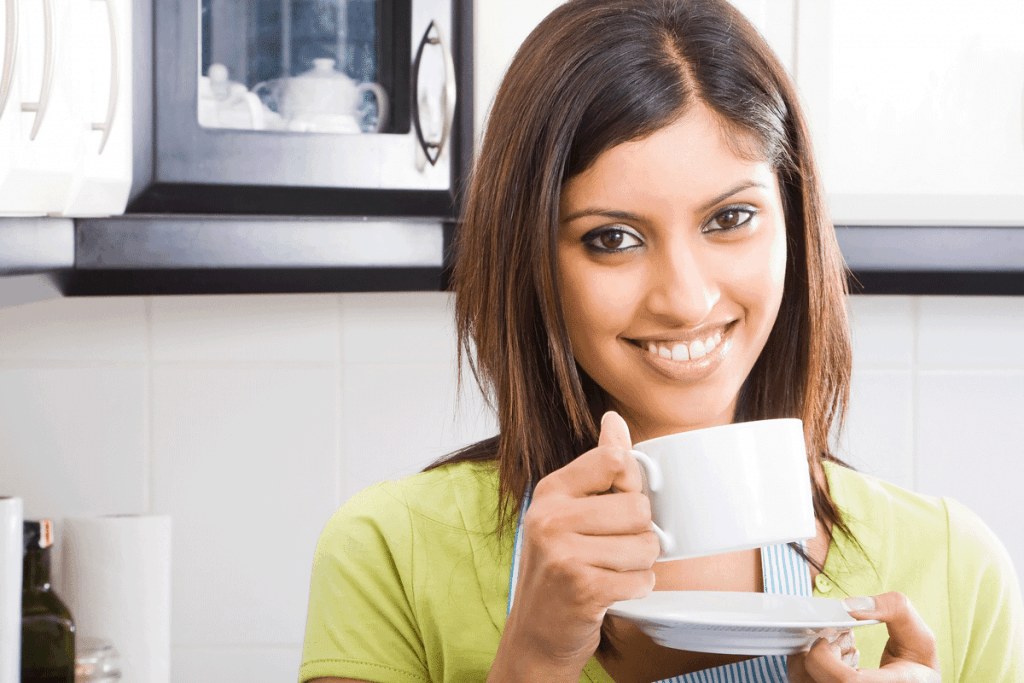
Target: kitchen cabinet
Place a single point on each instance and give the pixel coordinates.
(305, 108)
(917, 111)
(65, 115)
(39, 141)
(103, 99)
(271, 146)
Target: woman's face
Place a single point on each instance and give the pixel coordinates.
(672, 257)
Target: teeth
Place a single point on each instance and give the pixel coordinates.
(680, 351)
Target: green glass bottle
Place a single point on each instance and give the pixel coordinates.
(47, 628)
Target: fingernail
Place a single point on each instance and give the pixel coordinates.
(859, 604)
(604, 417)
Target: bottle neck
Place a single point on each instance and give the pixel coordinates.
(36, 570)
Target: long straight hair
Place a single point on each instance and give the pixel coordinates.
(592, 75)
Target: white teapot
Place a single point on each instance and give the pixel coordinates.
(324, 100)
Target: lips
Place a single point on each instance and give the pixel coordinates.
(691, 347)
(684, 358)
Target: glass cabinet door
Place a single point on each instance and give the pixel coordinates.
(304, 66)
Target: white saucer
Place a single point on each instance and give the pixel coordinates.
(735, 623)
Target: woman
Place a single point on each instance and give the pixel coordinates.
(645, 250)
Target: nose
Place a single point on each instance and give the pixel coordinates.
(683, 285)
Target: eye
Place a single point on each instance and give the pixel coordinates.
(731, 218)
(612, 239)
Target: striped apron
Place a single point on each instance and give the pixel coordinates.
(784, 572)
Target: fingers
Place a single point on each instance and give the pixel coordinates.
(613, 514)
(606, 467)
(910, 639)
(833, 645)
(824, 663)
(614, 431)
(619, 553)
(596, 471)
(628, 585)
(604, 531)
(848, 649)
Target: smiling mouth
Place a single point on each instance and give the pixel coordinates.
(683, 351)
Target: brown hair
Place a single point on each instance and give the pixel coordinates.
(592, 75)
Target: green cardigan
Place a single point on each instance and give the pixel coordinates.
(410, 584)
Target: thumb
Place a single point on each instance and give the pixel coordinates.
(614, 431)
(824, 663)
(910, 638)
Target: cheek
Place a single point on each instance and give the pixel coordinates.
(773, 283)
(594, 302)
(760, 278)
(777, 259)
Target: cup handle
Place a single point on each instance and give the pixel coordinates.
(382, 101)
(653, 471)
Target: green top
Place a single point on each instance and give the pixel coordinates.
(410, 583)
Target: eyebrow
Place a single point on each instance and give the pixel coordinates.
(627, 216)
(617, 215)
(745, 185)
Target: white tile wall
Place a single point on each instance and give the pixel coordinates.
(250, 419)
(879, 434)
(304, 329)
(937, 400)
(235, 664)
(969, 444)
(74, 437)
(246, 462)
(101, 330)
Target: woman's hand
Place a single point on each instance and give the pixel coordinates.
(910, 656)
(582, 552)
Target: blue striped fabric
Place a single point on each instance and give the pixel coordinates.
(784, 572)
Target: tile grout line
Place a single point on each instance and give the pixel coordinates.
(249, 364)
(148, 417)
(339, 407)
(240, 646)
(795, 43)
(994, 369)
(915, 352)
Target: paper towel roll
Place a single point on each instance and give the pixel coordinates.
(117, 583)
(12, 545)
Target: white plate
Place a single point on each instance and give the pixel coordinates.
(724, 622)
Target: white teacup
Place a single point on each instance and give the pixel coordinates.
(733, 487)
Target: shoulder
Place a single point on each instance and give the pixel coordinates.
(866, 498)
(986, 609)
(946, 559)
(880, 510)
(894, 531)
(393, 508)
(385, 571)
(979, 562)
